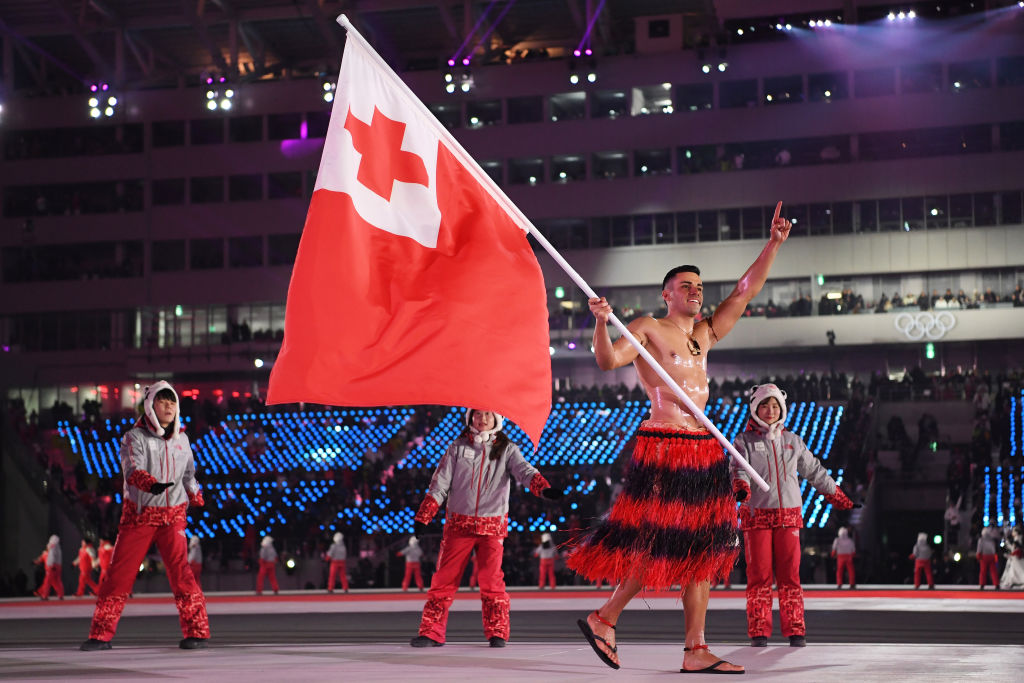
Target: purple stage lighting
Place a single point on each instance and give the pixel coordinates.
(465, 61)
(588, 52)
(576, 53)
(451, 62)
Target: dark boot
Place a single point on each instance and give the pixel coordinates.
(93, 644)
(193, 644)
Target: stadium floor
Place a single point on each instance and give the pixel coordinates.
(875, 633)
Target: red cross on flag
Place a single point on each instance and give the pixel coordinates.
(414, 282)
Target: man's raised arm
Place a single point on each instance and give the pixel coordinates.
(748, 286)
(612, 355)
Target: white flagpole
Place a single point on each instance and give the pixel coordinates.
(527, 226)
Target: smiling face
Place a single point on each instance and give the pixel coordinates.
(483, 420)
(684, 293)
(769, 411)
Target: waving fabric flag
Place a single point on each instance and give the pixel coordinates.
(414, 283)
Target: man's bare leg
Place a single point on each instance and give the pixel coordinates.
(695, 606)
(610, 612)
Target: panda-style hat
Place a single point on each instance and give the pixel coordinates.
(483, 437)
(153, 424)
(267, 540)
(758, 394)
(338, 537)
(545, 537)
(844, 532)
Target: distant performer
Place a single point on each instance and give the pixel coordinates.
(922, 557)
(337, 556)
(844, 549)
(546, 551)
(268, 565)
(85, 562)
(413, 554)
(52, 560)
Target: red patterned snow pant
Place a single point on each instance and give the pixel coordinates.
(547, 571)
(129, 551)
(337, 570)
(54, 580)
(989, 564)
(267, 570)
(844, 562)
(923, 566)
(412, 571)
(775, 551)
(451, 563)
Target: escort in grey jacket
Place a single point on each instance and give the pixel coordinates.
(476, 488)
(922, 551)
(337, 552)
(147, 458)
(780, 462)
(54, 556)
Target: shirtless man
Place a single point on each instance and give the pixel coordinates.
(677, 497)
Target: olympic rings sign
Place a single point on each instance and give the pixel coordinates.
(915, 326)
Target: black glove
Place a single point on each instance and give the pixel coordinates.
(857, 505)
(419, 528)
(741, 495)
(552, 493)
(160, 487)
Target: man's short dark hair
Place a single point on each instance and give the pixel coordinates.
(675, 271)
(165, 394)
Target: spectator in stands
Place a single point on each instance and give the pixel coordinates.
(154, 511)
(771, 519)
(474, 477)
(195, 558)
(413, 554)
(664, 553)
(337, 556)
(268, 565)
(843, 550)
(922, 557)
(546, 552)
(85, 561)
(988, 559)
(52, 559)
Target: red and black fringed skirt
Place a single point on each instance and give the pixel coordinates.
(675, 520)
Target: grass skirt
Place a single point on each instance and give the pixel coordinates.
(674, 522)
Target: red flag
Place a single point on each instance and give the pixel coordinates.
(412, 284)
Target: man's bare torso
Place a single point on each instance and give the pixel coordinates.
(669, 346)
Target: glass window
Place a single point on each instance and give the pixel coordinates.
(526, 109)
(866, 216)
(985, 208)
(495, 170)
(448, 113)
(643, 229)
(525, 171)
(569, 233)
(568, 167)
(206, 190)
(889, 215)
(481, 113)
(1011, 135)
(166, 255)
(569, 106)
(648, 162)
(610, 165)
(651, 99)
(913, 213)
(168, 191)
(622, 234)
(206, 131)
(784, 89)
(729, 224)
(608, 104)
(686, 226)
(281, 249)
(317, 123)
(1011, 208)
(936, 212)
(707, 226)
(694, 97)
(826, 87)
(921, 78)
(248, 187)
(752, 222)
(205, 254)
(696, 159)
(168, 133)
(284, 126)
(1010, 70)
(970, 75)
(735, 94)
(820, 219)
(797, 215)
(600, 232)
(874, 82)
(961, 211)
(664, 228)
(842, 218)
(284, 185)
(245, 129)
(245, 252)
